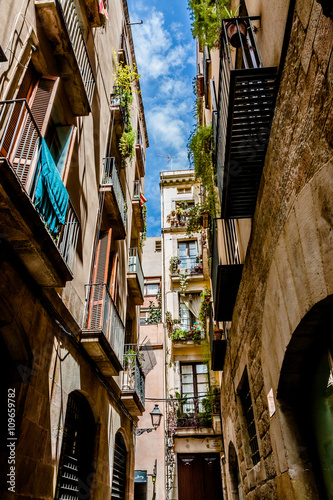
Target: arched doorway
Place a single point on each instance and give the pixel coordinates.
(75, 465)
(235, 478)
(306, 385)
(119, 469)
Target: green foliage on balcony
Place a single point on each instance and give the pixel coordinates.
(200, 156)
(206, 16)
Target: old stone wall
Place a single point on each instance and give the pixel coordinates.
(46, 367)
(288, 266)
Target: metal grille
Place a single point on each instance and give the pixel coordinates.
(101, 314)
(134, 266)
(20, 141)
(246, 400)
(79, 46)
(111, 177)
(119, 469)
(246, 103)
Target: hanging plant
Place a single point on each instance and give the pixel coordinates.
(126, 78)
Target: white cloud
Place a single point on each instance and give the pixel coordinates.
(156, 52)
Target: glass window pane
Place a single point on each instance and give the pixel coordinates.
(187, 378)
(203, 388)
(152, 289)
(187, 388)
(202, 368)
(202, 378)
(186, 368)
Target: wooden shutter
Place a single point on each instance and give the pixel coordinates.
(119, 469)
(25, 150)
(114, 278)
(28, 83)
(99, 281)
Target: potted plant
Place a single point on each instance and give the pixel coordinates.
(235, 38)
(218, 333)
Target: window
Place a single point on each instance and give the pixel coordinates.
(187, 253)
(158, 246)
(246, 400)
(194, 385)
(144, 315)
(152, 288)
(75, 467)
(119, 468)
(184, 190)
(185, 315)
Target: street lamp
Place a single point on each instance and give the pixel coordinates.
(156, 416)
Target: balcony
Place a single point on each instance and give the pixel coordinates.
(114, 198)
(140, 153)
(135, 277)
(192, 267)
(123, 51)
(61, 26)
(47, 253)
(138, 216)
(133, 382)
(226, 268)
(246, 102)
(119, 110)
(218, 347)
(103, 332)
(198, 412)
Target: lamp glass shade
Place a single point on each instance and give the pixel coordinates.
(156, 416)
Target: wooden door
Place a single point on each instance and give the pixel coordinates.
(199, 477)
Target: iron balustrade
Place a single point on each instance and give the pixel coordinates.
(20, 144)
(190, 265)
(226, 270)
(197, 411)
(246, 101)
(74, 30)
(133, 377)
(111, 177)
(134, 266)
(117, 101)
(139, 142)
(102, 315)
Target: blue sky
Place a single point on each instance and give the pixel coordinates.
(165, 54)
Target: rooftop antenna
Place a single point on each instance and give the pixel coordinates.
(169, 159)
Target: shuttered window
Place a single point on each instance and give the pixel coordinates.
(119, 469)
(75, 465)
(99, 281)
(245, 396)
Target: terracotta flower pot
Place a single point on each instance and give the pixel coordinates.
(218, 334)
(232, 33)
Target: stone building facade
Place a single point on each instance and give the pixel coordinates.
(71, 278)
(276, 383)
(193, 445)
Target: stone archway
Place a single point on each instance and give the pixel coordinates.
(234, 473)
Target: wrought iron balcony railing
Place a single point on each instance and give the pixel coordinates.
(198, 411)
(226, 268)
(111, 177)
(133, 377)
(20, 144)
(188, 265)
(79, 46)
(246, 101)
(119, 105)
(102, 315)
(134, 266)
